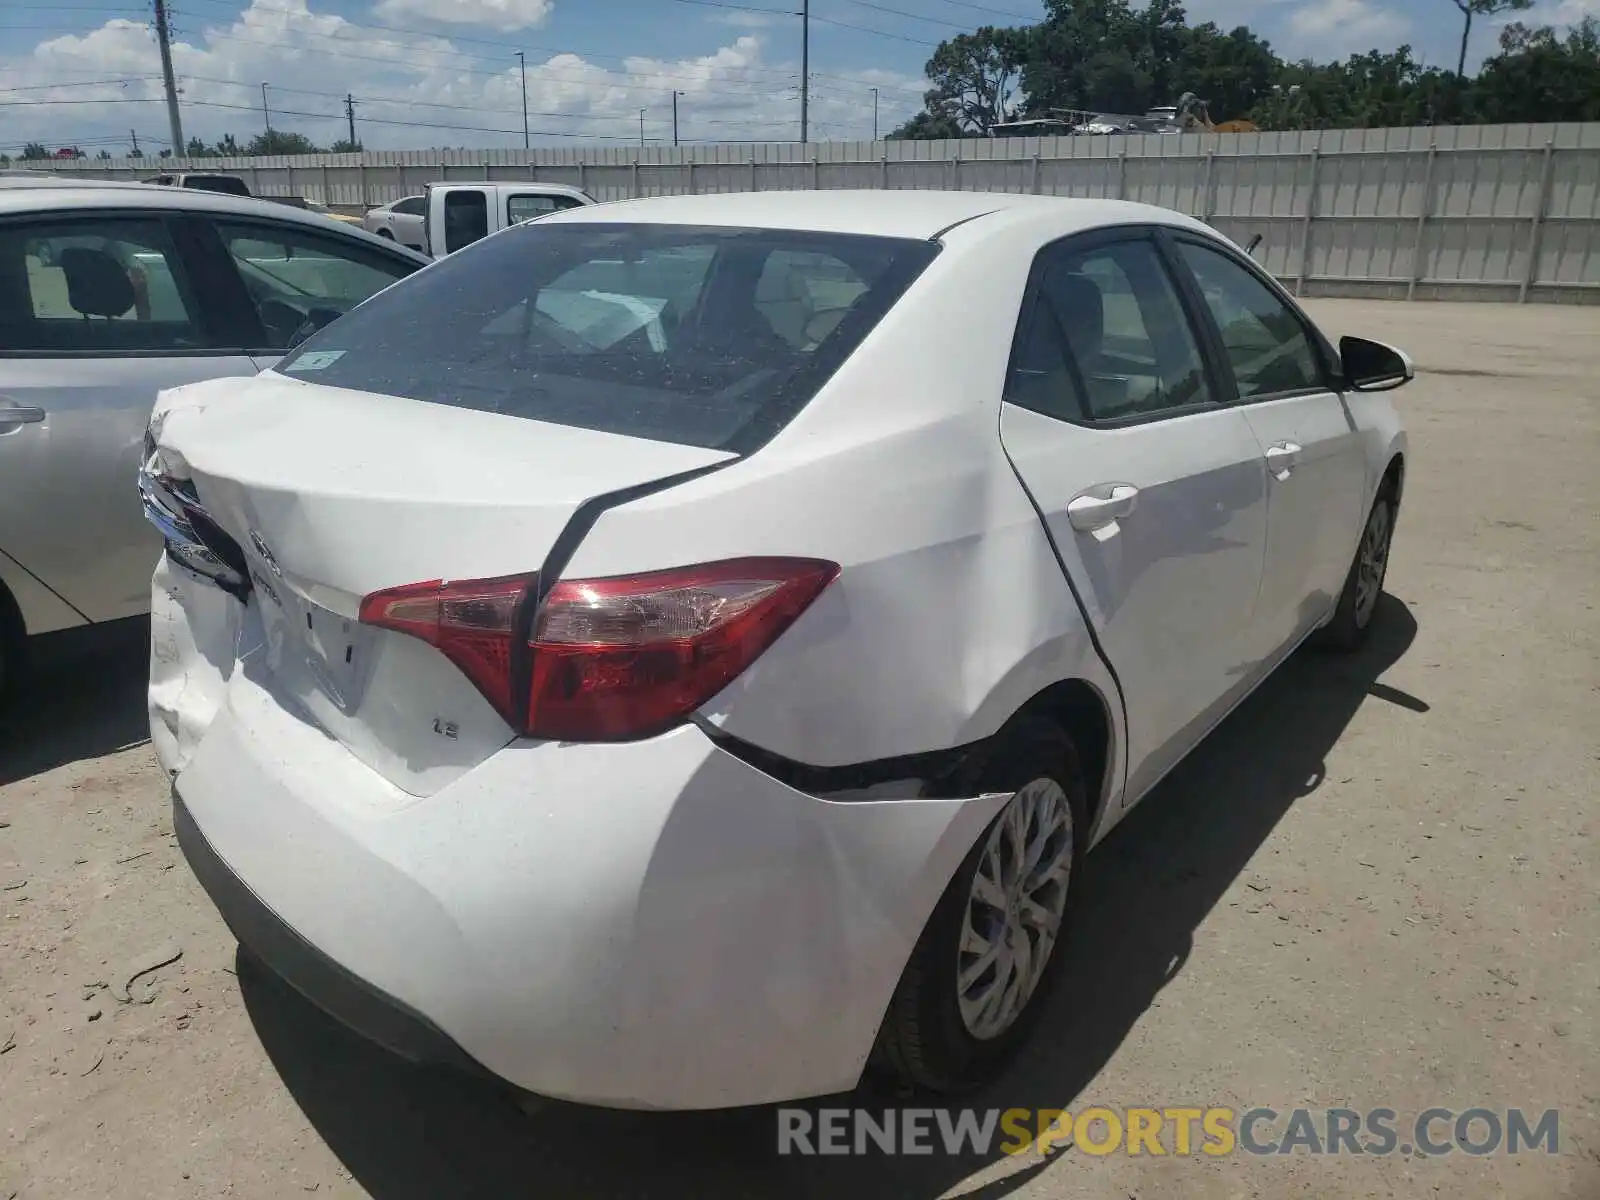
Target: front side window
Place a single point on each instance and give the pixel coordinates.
(527, 206)
(411, 206)
(1266, 344)
(102, 285)
(466, 218)
(292, 272)
(700, 336)
(1107, 339)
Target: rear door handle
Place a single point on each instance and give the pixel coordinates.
(1282, 458)
(20, 414)
(1101, 506)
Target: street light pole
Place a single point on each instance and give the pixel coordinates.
(641, 126)
(266, 113)
(874, 114)
(805, 66)
(675, 96)
(522, 61)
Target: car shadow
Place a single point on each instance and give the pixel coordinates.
(80, 697)
(405, 1133)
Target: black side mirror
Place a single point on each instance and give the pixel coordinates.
(1250, 249)
(1372, 366)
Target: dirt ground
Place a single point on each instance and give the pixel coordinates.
(1377, 885)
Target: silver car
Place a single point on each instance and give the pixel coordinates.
(109, 293)
(400, 220)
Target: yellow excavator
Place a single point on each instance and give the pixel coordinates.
(1193, 116)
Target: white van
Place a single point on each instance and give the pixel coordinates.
(458, 214)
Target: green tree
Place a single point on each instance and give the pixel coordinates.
(926, 126)
(281, 142)
(33, 151)
(346, 146)
(1540, 77)
(1482, 8)
(975, 77)
(228, 147)
(197, 149)
(104, 156)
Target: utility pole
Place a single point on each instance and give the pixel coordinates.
(675, 96)
(350, 115)
(164, 41)
(266, 113)
(874, 114)
(522, 61)
(641, 127)
(134, 134)
(805, 66)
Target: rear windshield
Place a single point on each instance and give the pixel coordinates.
(217, 183)
(708, 337)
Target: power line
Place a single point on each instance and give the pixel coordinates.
(393, 64)
(900, 12)
(999, 12)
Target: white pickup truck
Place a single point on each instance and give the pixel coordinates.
(458, 214)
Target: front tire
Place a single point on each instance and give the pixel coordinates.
(1347, 632)
(979, 975)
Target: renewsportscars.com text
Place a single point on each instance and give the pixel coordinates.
(1178, 1131)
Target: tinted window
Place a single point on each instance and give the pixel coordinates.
(1107, 339)
(411, 206)
(1266, 344)
(106, 285)
(291, 272)
(526, 207)
(657, 331)
(226, 184)
(466, 219)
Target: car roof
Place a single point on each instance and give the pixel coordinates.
(535, 186)
(18, 196)
(909, 214)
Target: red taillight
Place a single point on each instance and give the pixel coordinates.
(615, 658)
(471, 622)
(628, 656)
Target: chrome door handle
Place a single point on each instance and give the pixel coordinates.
(1282, 458)
(1101, 506)
(20, 415)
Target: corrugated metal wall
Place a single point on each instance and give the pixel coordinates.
(1496, 212)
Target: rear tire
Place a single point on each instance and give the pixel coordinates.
(1352, 620)
(975, 983)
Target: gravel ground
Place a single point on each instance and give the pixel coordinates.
(1376, 885)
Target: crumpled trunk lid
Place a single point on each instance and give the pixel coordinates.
(331, 495)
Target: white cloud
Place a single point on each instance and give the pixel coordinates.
(1336, 26)
(419, 91)
(504, 15)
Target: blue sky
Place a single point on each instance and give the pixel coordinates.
(443, 72)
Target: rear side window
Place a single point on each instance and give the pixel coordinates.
(466, 219)
(99, 286)
(705, 337)
(527, 207)
(411, 206)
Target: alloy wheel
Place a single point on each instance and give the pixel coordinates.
(1371, 563)
(1014, 908)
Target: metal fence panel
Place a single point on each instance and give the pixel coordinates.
(1471, 212)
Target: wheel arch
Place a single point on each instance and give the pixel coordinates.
(1394, 475)
(1084, 713)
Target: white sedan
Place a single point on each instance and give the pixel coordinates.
(400, 221)
(672, 655)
